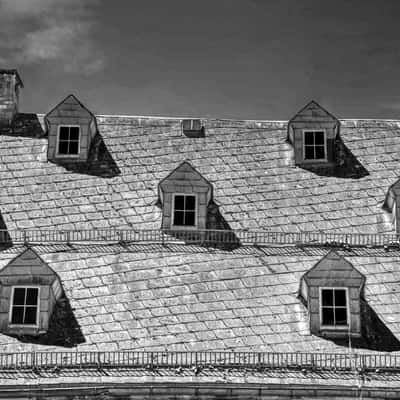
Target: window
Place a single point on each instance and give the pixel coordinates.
(314, 145)
(24, 306)
(334, 307)
(184, 210)
(68, 140)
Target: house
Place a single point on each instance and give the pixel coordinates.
(147, 257)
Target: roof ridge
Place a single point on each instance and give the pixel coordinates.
(226, 119)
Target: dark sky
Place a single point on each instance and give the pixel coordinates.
(249, 59)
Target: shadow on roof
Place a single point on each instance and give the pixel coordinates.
(183, 248)
(218, 234)
(347, 165)
(100, 162)
(27, 125)
(376, 335)
(5, 238)
(63, 331)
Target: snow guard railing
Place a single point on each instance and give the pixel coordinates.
(198, 360)
(200, 237)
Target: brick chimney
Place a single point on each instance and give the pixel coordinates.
(10, 83)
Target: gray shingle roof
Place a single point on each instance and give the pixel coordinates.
(188, 297)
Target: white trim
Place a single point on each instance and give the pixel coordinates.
(58, 141)
(335, 327)
(195, 211)
(10, 324)
(325, 146)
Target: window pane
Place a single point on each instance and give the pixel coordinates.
(190, 218)
(179, 202)
(319, 137)
(63, 147)
(19, 296)
(30, 315)
(327, 316)
(31, 296)
(340, 297)
(17, 315)
(309, 153)
(179, 218)
(190, 203)
(319, 152)
(74, 133)
(64, 133)
(341, 316)
(327, 297)
(73, 148)
(309, 138)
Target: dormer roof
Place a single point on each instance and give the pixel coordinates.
(312, 112)
(334, 269)
(69, 103)
(26, 268)
(185, 172)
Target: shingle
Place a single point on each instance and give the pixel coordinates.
(201, 300)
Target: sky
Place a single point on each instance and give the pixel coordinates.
(241, 59)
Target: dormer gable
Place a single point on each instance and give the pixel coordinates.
(71, 128)
(392, 205)
(29, 289)
(312, 132)
(184, 196)
(332, 290)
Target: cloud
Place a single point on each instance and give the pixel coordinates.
(58, 31)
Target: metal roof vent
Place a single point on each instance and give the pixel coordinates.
(192, 128)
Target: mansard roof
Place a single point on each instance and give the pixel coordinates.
(189, 297)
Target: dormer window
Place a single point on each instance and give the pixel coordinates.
(29, 291)
(184, 210)
(392, 205)
(71, 129)
(314, 145)
(68, 140)
(184, 196)
(333, 303)
(24, 306)
(314, 132)
(332, 291)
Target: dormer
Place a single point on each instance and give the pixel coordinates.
(184, 196)
(392, 205)
(10, 84)
(71, 128)
(332, 291)
(192, 128)
(312, 133)
(29, 289)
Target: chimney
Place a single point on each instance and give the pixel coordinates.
(10, 82)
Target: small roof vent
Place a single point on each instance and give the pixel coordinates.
(192, 128)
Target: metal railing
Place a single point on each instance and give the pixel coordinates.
(208, 236)
(212, 359)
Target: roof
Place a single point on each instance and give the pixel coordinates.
(181, 297)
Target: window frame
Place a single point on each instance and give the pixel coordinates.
(58, 141)
(12, 304)
(310, 160)
(335, 327)
(195, 211)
